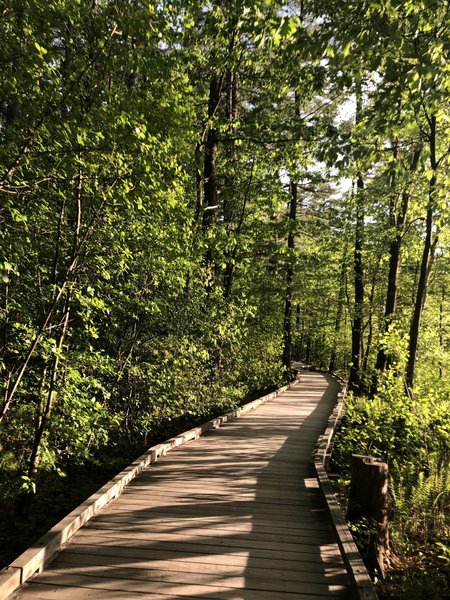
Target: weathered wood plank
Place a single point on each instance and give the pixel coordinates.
(178, 590)
(316, 518)
(237, 558)
(188, 504)
(303, 571)
(49, 592)
(224, 509)
(230, 541)
(288, 535)
(200, 546)
(148, 580)
(244, 524)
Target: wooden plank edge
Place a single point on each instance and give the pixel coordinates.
(10, 580)
(38, 555)
(364, 587)
(356, 569)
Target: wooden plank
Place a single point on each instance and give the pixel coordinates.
(49, 592)
(313, 519)
(10, 580)
(199, 546)
(230, 541)
(37, 591)
(237, 558)
(321, 536)
(246, 524)
(149, 580)
(230, 511)
(261, 480)
(186, 589)
(199, 505)
(304, 572)
(199, 494)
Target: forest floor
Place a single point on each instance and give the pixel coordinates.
(420, 576)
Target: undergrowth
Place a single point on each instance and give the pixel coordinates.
(412, 435)
(28, 511)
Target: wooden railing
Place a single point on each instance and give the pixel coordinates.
(354, 563)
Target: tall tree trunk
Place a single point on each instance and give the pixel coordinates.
(441, 329)
(397, 220)
(209, 170)
(43, 415)
(357, 325)
(230, 209)
(426, 263)
(370, 319)
(46, 409)
(339, 309)
(15, 379)
(287, 322)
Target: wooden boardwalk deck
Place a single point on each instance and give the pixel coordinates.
(234, 515)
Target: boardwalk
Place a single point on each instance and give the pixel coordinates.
(235, 515)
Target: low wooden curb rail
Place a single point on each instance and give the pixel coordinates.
(354, 564)
(37, 556)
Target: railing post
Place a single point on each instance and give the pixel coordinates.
(368, 508)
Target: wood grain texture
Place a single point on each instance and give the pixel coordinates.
(235, 515)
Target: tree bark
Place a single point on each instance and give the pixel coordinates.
(426, 263)
(396, 220)
(230, 209)
(339, 310)
(441, 329)
(43, 415)
(209, 169)
(357, 325)
(370, 319)
(287, 321)
(368, 508)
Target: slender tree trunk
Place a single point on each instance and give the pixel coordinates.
(199, 158)
(42, 418)
(51, 394)
(441, 329)
(370, 320)
(339, 309)
(357, 325)
(426, 263)
(287, 321)
(209, 172)
(398, 222)
(230, 209)
(5, 328)
(15, 378)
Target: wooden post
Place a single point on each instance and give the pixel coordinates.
(368, 508)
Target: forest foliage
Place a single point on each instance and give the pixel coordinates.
(192, 195)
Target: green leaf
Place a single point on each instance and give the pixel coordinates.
(40, 49)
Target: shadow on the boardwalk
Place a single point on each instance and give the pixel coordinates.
(316, 569)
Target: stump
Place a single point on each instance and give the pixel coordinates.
(368, 508)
